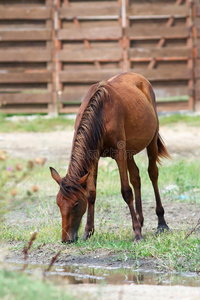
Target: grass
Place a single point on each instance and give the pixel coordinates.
(191, 120)
(46, 124)
(38, 124)
(38, 211)
(171, 251)
(179, 181)
(18, 286)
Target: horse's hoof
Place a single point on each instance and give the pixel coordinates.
(138, 238)
(86, 235)
(161, 229)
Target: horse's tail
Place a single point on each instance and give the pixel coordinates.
(162, 150)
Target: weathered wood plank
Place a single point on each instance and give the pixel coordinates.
(25, 55)
(69, 109)
(21, 98)
(24, 13)
(164, 74)
(91, 11)
(92, 76)
(176, 52)
(161, 107)
(95, 33)
(25, 34)
(197, 8)
(198, 29)
(157, 32)
(74, 95)
(78, 97)
(170, 89)
(90, 55)
(158, 9)
(87, 76)
(24, 109)
(165, 90)
(172, 106)
(87, 4)
(35, 77)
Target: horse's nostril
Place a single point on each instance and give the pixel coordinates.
(70, 241)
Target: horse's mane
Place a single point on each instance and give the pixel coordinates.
(87, 144)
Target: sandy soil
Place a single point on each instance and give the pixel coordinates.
(181, 140)
(142, 292)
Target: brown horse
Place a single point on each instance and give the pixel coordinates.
(117, 119)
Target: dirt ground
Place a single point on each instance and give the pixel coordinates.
(137, 292)
(181, 141)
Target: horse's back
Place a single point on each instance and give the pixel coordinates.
(129, 84)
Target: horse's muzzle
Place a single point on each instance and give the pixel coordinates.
(73, 238)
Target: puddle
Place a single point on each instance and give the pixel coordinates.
(109, 275)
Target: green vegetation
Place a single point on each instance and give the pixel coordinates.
(46, 124)
(18, 286)
(191, 120)
(171, 250)
(12, 174)
(33, 195)
(38, 211)
(38, 124)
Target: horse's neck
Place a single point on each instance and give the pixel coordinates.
(82, 161)
(88, 136)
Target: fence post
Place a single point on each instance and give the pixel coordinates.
(52, 107)
(196, 52)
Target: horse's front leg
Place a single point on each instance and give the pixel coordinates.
(91, 191)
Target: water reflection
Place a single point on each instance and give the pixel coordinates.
(95, 275)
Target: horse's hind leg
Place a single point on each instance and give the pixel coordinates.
(152, 151)
(127, 191)
(135, 181)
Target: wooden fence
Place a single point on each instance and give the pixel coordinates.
(51, 51)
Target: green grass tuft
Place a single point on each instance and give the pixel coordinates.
(18, 286)
(192, 120)
(39, 124)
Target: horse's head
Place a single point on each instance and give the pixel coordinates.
(72, 204)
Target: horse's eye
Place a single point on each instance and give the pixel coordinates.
(76, 205)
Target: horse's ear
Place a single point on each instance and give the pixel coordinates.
(55, 175)
(82, 181)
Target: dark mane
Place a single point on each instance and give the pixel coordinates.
(87, 144)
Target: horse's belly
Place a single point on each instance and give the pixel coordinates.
(135, 145)
(140, 131)
(130, 121)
